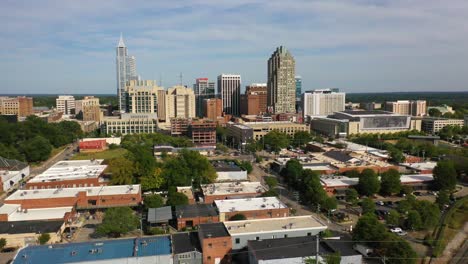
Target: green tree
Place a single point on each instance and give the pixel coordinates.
(301, 138)
(390, 182)
(396, 155)
(122, 171)
(176, 198)
(352, 174)
(393, 218)
(118, 221)
(413, 221)
(398, 251)
(3, 243)
(368, 228)
(329, 203)
(36, 149)
(237, 217)
(246, 166)
(429, 212)
(292, 172)
(153, 201)
(272, 182)
(311, 190)
(153, 181)
(368, 206)
(352, 196)
(368, 182)
(43, 238)
(443, 198)
(434, 112)
(143, 160)
(276, 140)
(333, 258)
(406, 205)
(445, 176)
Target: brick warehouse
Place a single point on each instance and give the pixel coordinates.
(195, 214)
(231, 190)
(70, 174)
(251, 208)
(81, 198)
(215, 242)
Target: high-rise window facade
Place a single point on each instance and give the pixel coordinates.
(204, 89)
(229, 91)
(281, 82)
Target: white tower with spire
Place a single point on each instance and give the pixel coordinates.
(126, 70)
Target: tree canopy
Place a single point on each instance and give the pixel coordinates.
(368, 182)
(153, 201)
(276, 140)
(445, 176)
(118, 221)
(390, 182)
(176, 198)
(368, 206)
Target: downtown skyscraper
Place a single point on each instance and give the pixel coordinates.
(204, 89)
(281, 82)
(126, 70)
(229, 86)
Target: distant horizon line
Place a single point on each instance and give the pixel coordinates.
(111, 94)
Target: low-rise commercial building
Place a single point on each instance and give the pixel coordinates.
(337, 185)
(296, 226)
(80, 197)
(215, 243)
(23, 233)
(251, 208)
(417, 181)
(92, 145)
(231, 190)
(129, 123)
(186, 248)
(147, 250)
(260, 129)
(14, 213)
(193, 215)
(11, 172)
(433, 125)
(421, 167)
(159, 216)
(229, 171)
(70, 174)
(297, 249)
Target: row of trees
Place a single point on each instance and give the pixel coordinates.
(369, 183)
(307, 182)
(34, 139)
(275, 141)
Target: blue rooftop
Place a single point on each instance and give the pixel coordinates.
(94, 251)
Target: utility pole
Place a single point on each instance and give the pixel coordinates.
(317, 249)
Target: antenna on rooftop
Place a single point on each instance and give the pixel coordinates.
(180, 78)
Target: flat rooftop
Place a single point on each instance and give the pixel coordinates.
(213, 230)
(225, 166)
(306, 222)
(284, 248)
(186, 190)
(230, 188)
(15, 213)
(415, 178)
(249, 204)
(195, 210)
(366, 112)
(73, 192)
(71, 170)
(338, 181)
(421, 165)
(94, 251)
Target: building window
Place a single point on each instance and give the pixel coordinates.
(237, 240)
(210, 245)
(209, 257)
(225, 243)
(309, 234)
(257, 238)
(285, 236)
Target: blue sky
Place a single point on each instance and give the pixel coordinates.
(67, 46)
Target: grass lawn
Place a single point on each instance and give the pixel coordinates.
(107, 154)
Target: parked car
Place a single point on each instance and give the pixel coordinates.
(379, 203)
(402, 233)
(396, 230)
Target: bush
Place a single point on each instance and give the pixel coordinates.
(237, 217)
(43, 238)
(158, 231)
(2, 243)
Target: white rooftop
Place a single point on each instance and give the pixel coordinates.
(71, 170)
(414, 178)
(223, 188)
(73, 192)
(248, 204)
(15, 213)
(306, 222)
(429, 165)
(338, 181)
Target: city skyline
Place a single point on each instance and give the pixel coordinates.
(73, 51)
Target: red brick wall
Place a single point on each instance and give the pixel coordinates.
(44, 203)
(196, 221)
(65, 184)
(375, 168)
(218, 247)
(260, 214)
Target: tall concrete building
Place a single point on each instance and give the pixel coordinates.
(322, 102)
(298, 87)
(204, 89)
(20, 106)
(180, 102)
(229, 86)
(88, 108)
(281, 82)
(65, 104)
(142, 96)
(407, 107)
(126, 70)
(254, 101)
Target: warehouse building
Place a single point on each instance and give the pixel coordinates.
(251, 208)
(231, 190)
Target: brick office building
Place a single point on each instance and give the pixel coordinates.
(81, 198)
(251, 208)
(212, 108)
(215, 242)
(70, 174)
(195, 214)
(202, 132)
